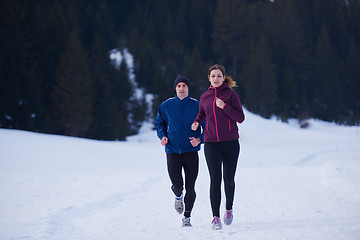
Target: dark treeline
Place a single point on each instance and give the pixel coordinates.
(291, 58)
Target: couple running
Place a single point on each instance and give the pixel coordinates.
(177, 124)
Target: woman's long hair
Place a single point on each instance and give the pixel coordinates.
(228, 80)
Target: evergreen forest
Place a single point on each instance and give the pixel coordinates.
(290, 58)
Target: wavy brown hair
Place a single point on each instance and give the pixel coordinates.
(228, 80)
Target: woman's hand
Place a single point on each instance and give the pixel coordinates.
(194, 141)
(164, 141)
(194, 126)
(220, 103)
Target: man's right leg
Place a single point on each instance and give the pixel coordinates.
(175, 174)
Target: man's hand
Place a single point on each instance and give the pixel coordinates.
(194, 141)
(164, 141)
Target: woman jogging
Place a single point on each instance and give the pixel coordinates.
(222, 108)
(173, 125)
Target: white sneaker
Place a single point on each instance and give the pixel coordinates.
(228, 217)
(186, 222)
(216, 223)
(179, 205)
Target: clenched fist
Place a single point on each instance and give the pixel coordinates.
(220, 103)
(164, 141)
(194, 126)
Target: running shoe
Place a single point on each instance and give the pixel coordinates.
(216, 223)
(228, 217)
(186, 222)
(179, 204)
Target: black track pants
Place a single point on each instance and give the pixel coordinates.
(218, 155)
(190, 163)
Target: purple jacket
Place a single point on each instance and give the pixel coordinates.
(220, 123)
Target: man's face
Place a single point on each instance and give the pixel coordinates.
(182, 90)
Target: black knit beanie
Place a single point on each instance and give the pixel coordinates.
(181, 79)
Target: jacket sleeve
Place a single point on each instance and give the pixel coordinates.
(161, 123)
(201, 115)
(234, 110)
(203, 125)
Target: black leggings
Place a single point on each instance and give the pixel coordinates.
(190, 162)
(221, 154)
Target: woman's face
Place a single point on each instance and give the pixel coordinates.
(216, 78)
(182, 90)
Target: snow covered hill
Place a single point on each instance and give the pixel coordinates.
(292, 183)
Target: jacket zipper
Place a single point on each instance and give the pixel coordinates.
(229, 124)
(181, 121)
(216, 128)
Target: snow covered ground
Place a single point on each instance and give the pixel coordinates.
(292, 183)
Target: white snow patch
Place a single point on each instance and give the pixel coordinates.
(291, 183)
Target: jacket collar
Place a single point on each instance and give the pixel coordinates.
(177, 99)
(222, 86)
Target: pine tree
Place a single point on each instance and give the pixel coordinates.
(122, 91)
(354, 19)
(120, 10)
(259, 76)
(303, 112)
(71, 96)
(141, 44)
(104, 25)
(351, 79)
(287, 90)
(103, 124)
(292, 47)
(328, 90)
(51, 31)
(21, 98)
(231, 33)
(196, 71)
(199, 27)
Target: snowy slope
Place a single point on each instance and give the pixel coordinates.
(291, 184)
